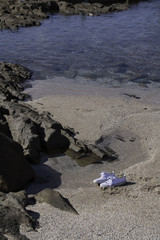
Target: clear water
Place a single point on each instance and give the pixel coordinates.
(118, 49)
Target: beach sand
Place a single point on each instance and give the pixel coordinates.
(128, 122)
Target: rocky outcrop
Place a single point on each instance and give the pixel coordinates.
(40, 133)
(15, 172)
(90, 8)
(11, 78)
(15, 13)
(35, 132)
(13, 214)
(24, 134)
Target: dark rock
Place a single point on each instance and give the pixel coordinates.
(25, 132)
(3, 123)
(11, 76)
(13, 214)
(14, 169)
(36, 132)
(15, 14)
(2, 237)
(91, 7)
(55, 199)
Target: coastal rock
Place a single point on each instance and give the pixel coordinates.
(88, 8)
(15, 14)
(11, 76)
(13, 214)
(36, 132)
(25, 132)
(55, 199)
(15, 172)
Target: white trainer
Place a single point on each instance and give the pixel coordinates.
(104, 176)
(113, 182)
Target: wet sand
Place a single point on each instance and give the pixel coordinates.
(128, 122)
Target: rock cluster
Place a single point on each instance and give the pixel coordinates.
(18, 13)
(24, 134)
(91, 9)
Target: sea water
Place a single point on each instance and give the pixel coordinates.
(77, 53)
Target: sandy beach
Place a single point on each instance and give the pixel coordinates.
(127, 121)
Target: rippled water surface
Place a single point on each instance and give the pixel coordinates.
(118, 49)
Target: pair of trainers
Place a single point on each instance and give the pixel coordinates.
(109, 180)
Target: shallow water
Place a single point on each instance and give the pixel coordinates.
(67, 53)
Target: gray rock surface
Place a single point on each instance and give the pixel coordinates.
(55, 199)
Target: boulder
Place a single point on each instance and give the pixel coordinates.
(15, 172)
(35, 132)
(55, 199)
(25, 132)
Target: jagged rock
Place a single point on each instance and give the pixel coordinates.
(11, 76)
(13, 214)
(25, 132)
(14, 169)
(55, 199)
(15, 14)
(35, 132)
(91, 7)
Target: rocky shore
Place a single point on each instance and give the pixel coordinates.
(24, 135)
(122, 127)
(17, 13)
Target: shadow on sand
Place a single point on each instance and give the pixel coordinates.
(46, 177)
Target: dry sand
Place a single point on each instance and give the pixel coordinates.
(130, 126)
